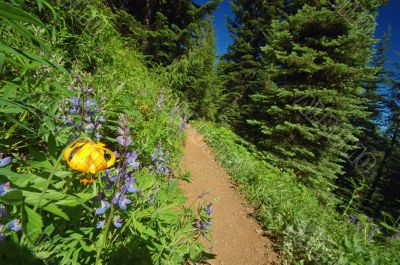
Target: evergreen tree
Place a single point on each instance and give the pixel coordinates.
(165, 30)
(194, 76)
(240, 65)
(386, 177)
(316, 65)
(362, 163)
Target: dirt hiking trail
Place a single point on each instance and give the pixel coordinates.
(237, 239)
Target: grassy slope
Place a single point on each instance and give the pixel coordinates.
(117, 72)
(306, 232)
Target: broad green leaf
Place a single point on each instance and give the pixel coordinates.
(143, 229)
(52, 145)
(10, 174)
(32, 224)
(52, 208)
(72, 201)
(13, 197)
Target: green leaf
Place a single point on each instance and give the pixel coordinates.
(14, 13)
(52, 145)
(27, 35)
(51, 208)
(72, 201)
(2, 61)
(32, 224)
(9, 50)
(13, 197)
(143, 229)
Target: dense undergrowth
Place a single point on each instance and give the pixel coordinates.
(306, 232)
(72, 80)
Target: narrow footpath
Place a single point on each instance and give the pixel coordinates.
(237, 239)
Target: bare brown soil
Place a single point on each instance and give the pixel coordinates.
(237, 239)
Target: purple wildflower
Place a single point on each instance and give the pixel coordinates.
(131, 159)
(118, 222)
(5, 188)
(124, 140)
(74, 101)
(5, 161)
(101, 224)
(123, 201)
(90, 126)
(15, 225)
(104, 207)
(130, 186)
(101, 119)
(90, 103)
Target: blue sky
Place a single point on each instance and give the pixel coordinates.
(387, 16)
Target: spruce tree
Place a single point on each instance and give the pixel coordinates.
(363, 163)
(315, 69)
(392, 134)
(240, 65)
(194, 77)
(165, 30)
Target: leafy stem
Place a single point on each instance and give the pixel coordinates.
(107, 229)
(50, 178)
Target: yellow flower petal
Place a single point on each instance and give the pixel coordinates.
(86, 156)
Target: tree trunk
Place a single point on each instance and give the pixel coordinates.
(386, 155)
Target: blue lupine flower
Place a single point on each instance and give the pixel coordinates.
(88, 90)
(130, 186)
(90, 103)
(15, 225)
(100, 197)
(5, 188)
(97, 135)
(124, 140)
(90, 126)
(5, 161)
(123, 201)
(115, 200)
(68, 121)
(74, 101)
(101, 119)
(74, 111)
(118, 222)
(104, 207)
(208, 209)
(131, 159)
(101, 224)
(117, 155)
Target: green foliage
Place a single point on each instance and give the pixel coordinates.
(194, 78)
(306, 231)
(239, 68)
(312, 93)
(56, 210)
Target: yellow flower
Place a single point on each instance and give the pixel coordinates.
(86, 156)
